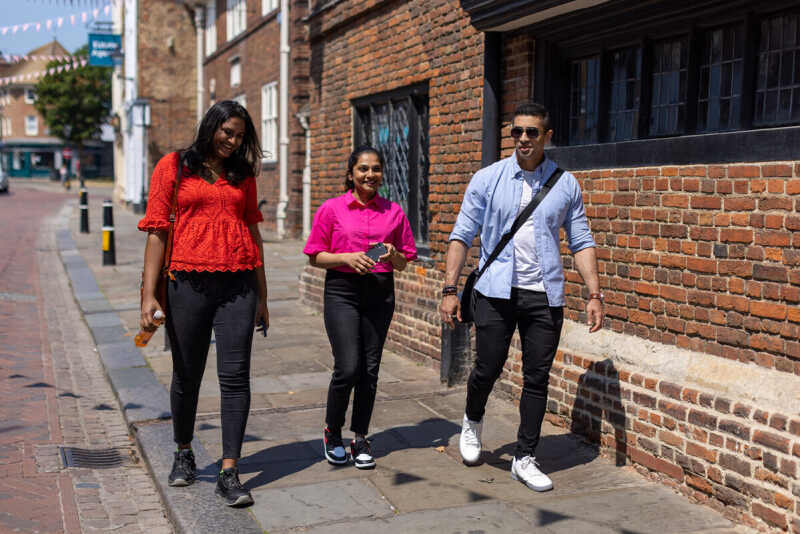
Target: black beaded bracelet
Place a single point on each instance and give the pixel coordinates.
(449, 290)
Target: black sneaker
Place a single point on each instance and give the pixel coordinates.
(230, 489)
(184, 469)
(362, 454)
(335, 452)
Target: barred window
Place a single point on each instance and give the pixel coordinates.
(396, 124)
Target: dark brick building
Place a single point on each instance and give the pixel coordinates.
(680, 120)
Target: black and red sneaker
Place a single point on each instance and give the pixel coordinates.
(362, 453)
(335, 452)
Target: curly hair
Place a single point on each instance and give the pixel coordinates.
(243, 162)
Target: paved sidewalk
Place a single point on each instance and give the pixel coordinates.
(54, 391)
(420, 482)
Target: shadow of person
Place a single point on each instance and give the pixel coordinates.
(597, 412)
(283, 460)
(556, 452)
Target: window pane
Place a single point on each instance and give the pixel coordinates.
(668, 102)
(584, 82)
(623, 107)
(397, 128)
(719, 92)
(778, 80)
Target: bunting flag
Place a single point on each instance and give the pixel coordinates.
(13, 58)
(74, 64)
(58, 21)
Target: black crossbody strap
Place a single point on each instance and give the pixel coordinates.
(522, 217)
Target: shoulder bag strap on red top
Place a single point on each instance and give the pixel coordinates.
(172, 214)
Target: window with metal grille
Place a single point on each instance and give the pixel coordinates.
(711, 69)
(778, 81)
(396, 124)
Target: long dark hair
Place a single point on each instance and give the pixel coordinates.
(351, 163)
(243, 162)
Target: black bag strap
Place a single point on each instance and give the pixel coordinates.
(522, 217)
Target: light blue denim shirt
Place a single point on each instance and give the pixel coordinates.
(491, 203)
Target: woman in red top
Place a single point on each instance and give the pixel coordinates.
(217, 280)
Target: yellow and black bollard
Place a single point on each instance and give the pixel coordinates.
(83, 204)
(109, 249)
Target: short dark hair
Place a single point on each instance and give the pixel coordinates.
(351, 163)
(242, 163)
(533, 109)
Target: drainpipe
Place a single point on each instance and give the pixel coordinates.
(199, 19)
(283, 128)
(303, 118)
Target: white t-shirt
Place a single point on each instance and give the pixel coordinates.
(527, 273)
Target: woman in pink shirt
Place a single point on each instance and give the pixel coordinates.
(359, 295)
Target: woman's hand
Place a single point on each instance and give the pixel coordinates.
(394, 256)
(358, 261)
(262, 314)
(149, 307)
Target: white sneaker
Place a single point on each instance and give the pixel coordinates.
(470, 442)
(527, 471)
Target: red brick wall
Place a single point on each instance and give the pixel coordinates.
(258, 49)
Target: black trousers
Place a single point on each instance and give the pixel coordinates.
(358, 311)
(539, 329)
(197, 303)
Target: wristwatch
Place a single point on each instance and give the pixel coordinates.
(598, 296)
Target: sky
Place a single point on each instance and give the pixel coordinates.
(70, 36)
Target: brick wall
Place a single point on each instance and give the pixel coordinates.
(258, 50)
(167, 75)
(698, 260)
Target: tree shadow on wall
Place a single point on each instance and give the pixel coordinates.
(598, 413)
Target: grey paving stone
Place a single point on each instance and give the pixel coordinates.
(194, 509)
(643, 510)
(120, 355)
(104, 335)
(484, 518)
(142, 397)
(301, 506)
(300, 381)
(102, 319)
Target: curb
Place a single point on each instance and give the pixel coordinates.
(146, 408)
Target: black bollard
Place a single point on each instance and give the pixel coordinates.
(84, 206)
(109, 249)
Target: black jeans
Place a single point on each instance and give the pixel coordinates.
(197, 303)
(539, 329)
(358, 311)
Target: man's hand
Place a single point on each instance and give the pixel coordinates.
(594, 314)
(449, 309)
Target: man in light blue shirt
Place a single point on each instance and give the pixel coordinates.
(524, 287)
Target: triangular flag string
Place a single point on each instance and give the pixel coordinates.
(48, 23)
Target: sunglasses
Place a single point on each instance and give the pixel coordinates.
(516, 132)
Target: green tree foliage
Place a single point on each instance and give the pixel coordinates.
(74, 103)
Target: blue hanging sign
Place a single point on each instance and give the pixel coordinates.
(101, 48)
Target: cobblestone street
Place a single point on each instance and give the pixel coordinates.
(54, 391)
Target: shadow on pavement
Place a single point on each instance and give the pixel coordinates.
(554, 453)
(280, 461)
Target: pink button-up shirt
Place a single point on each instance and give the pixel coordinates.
(343, 224)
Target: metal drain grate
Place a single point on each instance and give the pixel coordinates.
(91, 459)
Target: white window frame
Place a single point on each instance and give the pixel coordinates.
(241, 98)
(269, 121)
(211, 27)
(30, 95)
(7, 127)
(236, 72)
(268, 6)
(235, 18)
(34, 130)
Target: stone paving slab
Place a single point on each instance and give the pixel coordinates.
(320, 503)
(142, 397)
(473, 519)
(120, 355)
(194, 509)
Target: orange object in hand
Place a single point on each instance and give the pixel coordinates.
(144, 336)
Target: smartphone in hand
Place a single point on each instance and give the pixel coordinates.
(261, 326)
(376, 251)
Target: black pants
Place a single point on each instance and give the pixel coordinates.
(358, 311)
(539, 329)
(199, 302)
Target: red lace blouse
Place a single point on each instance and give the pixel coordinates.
(212, 224)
